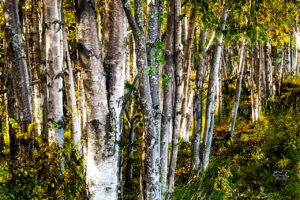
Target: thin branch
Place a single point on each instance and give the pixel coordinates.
(185, 2)
(210, 41)
(131, 20)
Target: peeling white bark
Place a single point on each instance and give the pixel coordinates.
(54, 66)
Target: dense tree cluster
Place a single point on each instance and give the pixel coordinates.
(107, 89)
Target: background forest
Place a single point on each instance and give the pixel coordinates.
(149, 99)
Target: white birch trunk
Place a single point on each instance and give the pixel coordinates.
(99, 157)
(238, 89)
(166, 129)
(201, 68)
(178, 96)
(54, 66)
(152, 162)
(114, 64)
(213, 78)
(75, 118)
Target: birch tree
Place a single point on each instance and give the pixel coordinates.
(187, 52)
(178, 54)
(54, 66)
(114, 65)
(21, 77)
(213, 78)
(103, 82)
(238, 89)
(152, 155)
(70, 81)
(166, 124)
(201, 68)
(98, 181)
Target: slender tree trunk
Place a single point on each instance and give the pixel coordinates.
(238, 89)
(186, 124)
(168, 99)
(297, 53)
(54, 66)
(209, 123)
(268, 70)
(34, 56)
(187, 67)
(152, 156)
(256, 94)
(17, 56)
(178, 95)
(262, 68)
(75, 118)
(219, 94)
(201, 68)
(153, 38)
(252, 85)
(129, 166)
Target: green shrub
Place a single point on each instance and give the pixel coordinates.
(40, 174)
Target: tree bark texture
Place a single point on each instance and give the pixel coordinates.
(54, 66)
(152, 155)
(168, 99)
(201, 68)
(213, 78)
(178, 54)
(17, 56)
(238, 89)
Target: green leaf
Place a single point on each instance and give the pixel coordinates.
(199, 55)
(151, 70)
(130, 86)
(159, 46)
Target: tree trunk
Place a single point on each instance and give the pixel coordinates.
(238, 89)
(219, 94)
(152, 156)
(187, 67)
(201, 68)
(54, 66)
(268, 70)
(252, 85)
(100, 183)
(297, 53)
(153, 53)
(186, 123)
(34, 56)
(168, 99)
(17, 56)
(213, 78)
(114, 65)
(75, 119)
(129, 166)
(178, 54)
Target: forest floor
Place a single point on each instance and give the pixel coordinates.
(262, 160)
